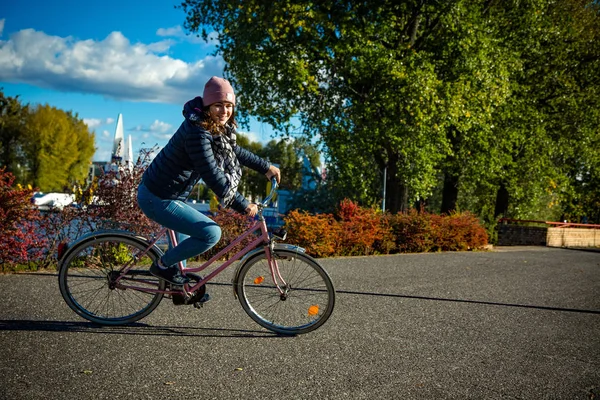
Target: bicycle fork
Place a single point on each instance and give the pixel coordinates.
(276, 277)
(275, 273)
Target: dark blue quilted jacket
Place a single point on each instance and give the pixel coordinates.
(187, 158)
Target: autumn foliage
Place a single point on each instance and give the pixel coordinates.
(317, 234)
(30, 240)
(21, 239)
(354, 230)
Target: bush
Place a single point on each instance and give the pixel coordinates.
(318, 234)
(415, 232)
(362, 231)
(59, 228)
(29, 240)
(115, 204)
(21, 240)
(459, 232)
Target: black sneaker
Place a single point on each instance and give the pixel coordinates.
(171, 274)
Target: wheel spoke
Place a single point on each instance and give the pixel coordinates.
(308, 298)
(87, 274)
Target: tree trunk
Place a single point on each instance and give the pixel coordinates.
(8, 157)
(501, 201)
(450, 192)
(396, 198)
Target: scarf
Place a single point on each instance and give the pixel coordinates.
(227, 161)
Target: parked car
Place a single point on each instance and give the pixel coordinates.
(48, 201)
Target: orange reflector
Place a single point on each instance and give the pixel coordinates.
(259, 280)
(313, 310)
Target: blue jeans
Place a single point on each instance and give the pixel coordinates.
(196, 233)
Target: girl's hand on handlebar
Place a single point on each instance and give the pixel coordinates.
(273, 172)
(252, 209)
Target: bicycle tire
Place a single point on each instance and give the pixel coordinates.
(85, 280)
(309, 299)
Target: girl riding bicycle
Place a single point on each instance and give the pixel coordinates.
(204, 147)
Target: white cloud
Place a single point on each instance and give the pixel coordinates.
(161, 127)
(175, 31)
(112, 67)
(178, 33)
(162, 46)
(157, 127)
(252, 136)
(94, 123)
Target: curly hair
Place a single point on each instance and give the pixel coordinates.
(211, 126)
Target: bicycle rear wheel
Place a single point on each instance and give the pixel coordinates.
(87, 280)
(308, 294)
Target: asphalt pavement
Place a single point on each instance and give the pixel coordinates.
(513, 323)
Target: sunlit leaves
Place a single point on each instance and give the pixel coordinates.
(44, 146)
(59, 148)
(498, 94)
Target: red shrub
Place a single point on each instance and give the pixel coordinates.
(422, 232)
(348, 209)
(318, 234)
(116, 202)
(414, 231)
(386, 243)
(21, 241)
(361, 229)
(461, 231)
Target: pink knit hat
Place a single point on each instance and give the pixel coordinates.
(218, 89)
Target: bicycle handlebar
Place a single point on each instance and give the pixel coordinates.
(272, 193)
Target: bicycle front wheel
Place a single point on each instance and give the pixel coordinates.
(302, 302)
(90, 284)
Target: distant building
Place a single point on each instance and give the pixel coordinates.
(121, 157)
(122, 153)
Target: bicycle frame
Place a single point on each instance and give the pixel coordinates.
(263, 238)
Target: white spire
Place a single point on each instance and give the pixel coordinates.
(118, 151)
(128, 159)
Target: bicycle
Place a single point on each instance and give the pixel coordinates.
(104, 277)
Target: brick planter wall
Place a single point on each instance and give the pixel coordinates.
(515, 235)
(573, 237)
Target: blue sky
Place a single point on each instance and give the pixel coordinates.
(99, 59)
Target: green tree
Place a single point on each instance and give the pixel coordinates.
(59, 148)
(287, 154)
(473, 68)
(348, 72)
(498, 98)
(572, 105)
(251, 184)
(548, 129)
(12, 125)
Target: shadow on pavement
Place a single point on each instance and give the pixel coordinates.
(488, 303)
(131, 329)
